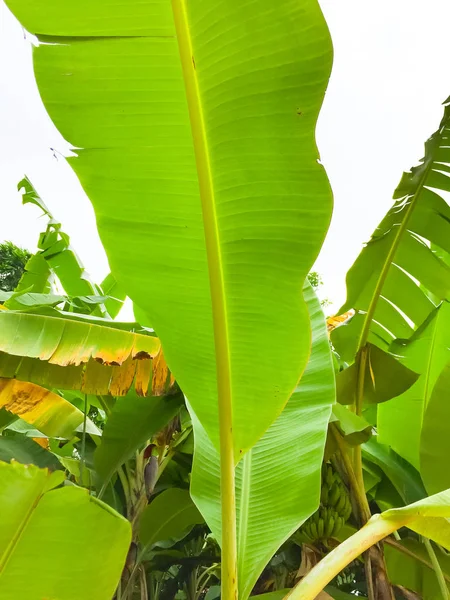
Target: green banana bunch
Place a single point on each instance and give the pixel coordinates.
(333, 512)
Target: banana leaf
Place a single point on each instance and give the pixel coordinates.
(426, 352)
(94, 356)
(400, 275)
(46, 538)
(195, 143)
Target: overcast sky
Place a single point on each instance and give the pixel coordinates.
(391, 74)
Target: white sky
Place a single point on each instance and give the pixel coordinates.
(391, 73)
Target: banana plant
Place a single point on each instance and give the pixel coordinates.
(195, 143)
(402, 274)
(392, 289)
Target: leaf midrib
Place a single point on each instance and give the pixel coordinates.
(218, 301)
(208, 202)
(9, 550)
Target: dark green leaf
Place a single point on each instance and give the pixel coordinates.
(26, 451)
(403, 476)
(133, 421)
(409, 565)
(385, 378)
(170, 516)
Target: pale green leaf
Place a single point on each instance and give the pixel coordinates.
(115, 293)
(428, 517)
(427, 352)
(57, 543)
(64, 341)
(75, 352)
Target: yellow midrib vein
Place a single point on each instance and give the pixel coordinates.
(218, 303)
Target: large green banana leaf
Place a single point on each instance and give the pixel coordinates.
(56, 543)
(426, 352)
(397, 277)
(194, 123)
(435, 435)
(95, 356)
(278, 481)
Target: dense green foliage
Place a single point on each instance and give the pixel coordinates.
(12, 265)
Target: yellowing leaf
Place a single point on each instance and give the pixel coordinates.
(43, 442)
(48, 412)
(78, 355)
(338, 320)
(64, 342)
(162, 380)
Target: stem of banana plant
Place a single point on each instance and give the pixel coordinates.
(333, 563)
(358, 471)
(83, 442)
(357, 457)
(360, 499)
(359, 494)
(218, 303)
(437, 569)
(144, 591)
(369, 578)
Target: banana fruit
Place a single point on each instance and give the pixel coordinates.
(333, 512)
